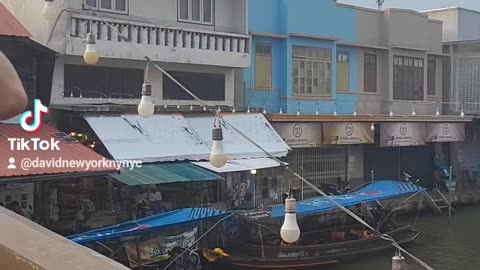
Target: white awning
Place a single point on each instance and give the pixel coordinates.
(241, 165)
(171, 137)
(161, 137)
(254, 125)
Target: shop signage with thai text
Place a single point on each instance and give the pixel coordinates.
(347, 133)
(300, 135)
(445, 132)
(402, 134)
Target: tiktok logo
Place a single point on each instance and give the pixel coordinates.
(36, 115)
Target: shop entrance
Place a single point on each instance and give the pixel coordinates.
(389, 163)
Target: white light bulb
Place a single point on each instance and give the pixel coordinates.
(437, 113)
(178, 107)
(217, 157)
(281, 111)
(414, 113)
(165, 106)
(233, 110)
(372, 127)
(49, 11)
(264, 111)
(462, 114)
(391, 113)
(90, 56)
(290, 232)
(191, 107)
(355, 113)
(248, 110)
(335, 112)
(146, 107)
(298, 112)
(204, 108)
(253, 171)
(317, 112)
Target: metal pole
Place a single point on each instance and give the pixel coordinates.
(450, 194)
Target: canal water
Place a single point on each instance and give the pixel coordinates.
(451, 246)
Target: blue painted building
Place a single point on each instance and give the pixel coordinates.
(295, 55)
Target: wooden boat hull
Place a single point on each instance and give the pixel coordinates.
(246, 256)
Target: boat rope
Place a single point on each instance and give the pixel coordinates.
(196, 242)
(225, 123)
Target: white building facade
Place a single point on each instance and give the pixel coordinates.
(201, 43)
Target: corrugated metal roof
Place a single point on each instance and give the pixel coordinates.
(153, 174)
(68, 153)
(10, 26)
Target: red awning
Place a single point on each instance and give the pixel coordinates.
(72, 157)
(10, 26)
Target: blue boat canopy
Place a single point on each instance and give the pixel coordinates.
(373, 191)
(147, 225)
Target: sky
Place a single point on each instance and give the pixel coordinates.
(419, 5)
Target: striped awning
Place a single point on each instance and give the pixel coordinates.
(164, 173)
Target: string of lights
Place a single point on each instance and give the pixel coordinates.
(290, 231)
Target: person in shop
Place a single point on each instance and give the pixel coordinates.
(84, 210)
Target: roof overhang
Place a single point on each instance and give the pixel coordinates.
(366, 118)
(30, 43)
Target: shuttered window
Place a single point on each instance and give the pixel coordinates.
(431, 77)
(370, 73)
(343, 71)
(319, 165)
(408, 78)
(263, 67)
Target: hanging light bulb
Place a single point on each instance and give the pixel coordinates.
(178, 107)
(233, 109)
(49, 11)
(391, 112)
(462, 113)
(191, 107)
(414, 113)
(248, 110)
(264, 111)
(146, 108)
(165, 106)
(317, 112)
(90, 56)
(355, 113)
(372, 127)
(298, 109)
(290, 232)
(437, 113)
(219, 109)
(281, 111)
(253, 171)
(204, 108)
(217, 156)
(335, 110)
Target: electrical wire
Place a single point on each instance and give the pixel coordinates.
(223, 121)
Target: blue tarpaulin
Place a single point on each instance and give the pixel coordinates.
(374, 191)
(147, 225)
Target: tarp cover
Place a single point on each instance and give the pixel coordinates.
(147, 225)
(374, 191)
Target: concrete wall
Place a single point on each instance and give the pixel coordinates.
(371, 26)
(449, 17)
(409, 29)
(468, 24)
(155, 77)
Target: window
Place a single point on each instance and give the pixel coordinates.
(117, 6)
(263, 67)
(196, 11)
(206, 86)
(111, 82)
(408, 78)
(370, 73)
(343, 71)
(312, 71)
(431, 77)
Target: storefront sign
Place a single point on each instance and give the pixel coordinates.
(347, 133)
(300, 135)
(445, 132)
(402, 134)
(157, 249)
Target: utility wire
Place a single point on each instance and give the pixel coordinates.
(383, 236)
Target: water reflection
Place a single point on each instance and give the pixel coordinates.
(454, 246)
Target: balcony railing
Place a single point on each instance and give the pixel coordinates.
(149, 34)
